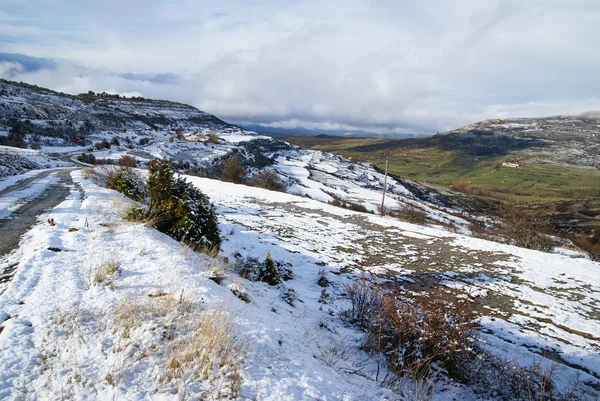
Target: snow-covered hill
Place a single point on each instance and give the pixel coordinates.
(132, 333)
(65, 126)
(102, 308)
(47, 118)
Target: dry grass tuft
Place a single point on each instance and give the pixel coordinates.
(107, 273)
(131, 314)
(217, 271)
(195, 353)
(211, 346)
(103, 273)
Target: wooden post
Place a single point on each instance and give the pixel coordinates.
(384, 189)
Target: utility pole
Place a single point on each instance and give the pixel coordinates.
(384, 189)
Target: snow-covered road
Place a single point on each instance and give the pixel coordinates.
(20, 205)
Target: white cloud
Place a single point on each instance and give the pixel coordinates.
(375, 65)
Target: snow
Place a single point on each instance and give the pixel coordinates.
(9, 150)
(15, 199)
(6, 182)
(288, 343)
(60, 339)
(237, 138)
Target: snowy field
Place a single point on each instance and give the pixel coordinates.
(66, 336)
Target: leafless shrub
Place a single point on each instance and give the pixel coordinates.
(346, 204)
(127, 161)
(435, 327)
(366, 299)
(337, 354)
(507, 379)
(589, 244)
(479, 228)
(234, 171)
(414, 388)
(268, 179)
(525, 230)
(411, 214)
(422, 334)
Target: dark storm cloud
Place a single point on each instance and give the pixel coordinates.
(15, 64)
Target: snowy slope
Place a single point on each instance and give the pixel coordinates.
(55, 343)
(61, 340)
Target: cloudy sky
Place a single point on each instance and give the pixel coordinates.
(380, 66)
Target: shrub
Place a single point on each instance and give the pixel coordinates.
(338, 202)
(413, 334)
(435, 327)
(268, 179)
(88, 158)
(160, 181)
(214, 138)
(525, 230)
(127, 161)
(323, 280)
(269, 271)
(104, 144)
(185, 213)
(366, 299)
(234, 171)
(195, 219)
(508, 380)
(589, 244)
(129, 183)
(410, 214)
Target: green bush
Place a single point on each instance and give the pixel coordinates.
(88, 158)
(185, 213)
(269, 271)
(129, 183)
(195, 220)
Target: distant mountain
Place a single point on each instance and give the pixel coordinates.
(36, 116)
(289, 132)
(571, 140)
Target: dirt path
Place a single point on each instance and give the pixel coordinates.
(22, 219)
